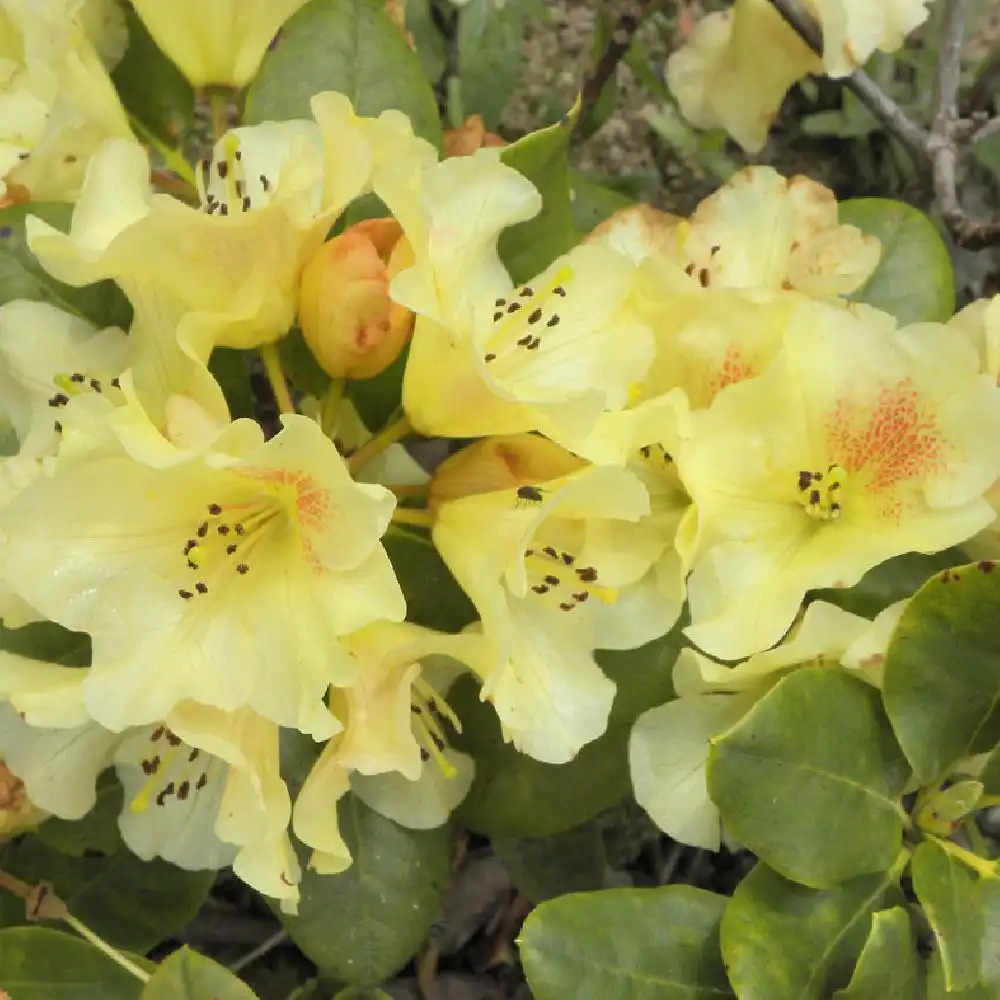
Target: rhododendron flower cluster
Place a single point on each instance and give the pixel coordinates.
(674, 423)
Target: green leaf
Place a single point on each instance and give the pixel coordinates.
(941, 682)
(377, 399)
(155, 92)
(626, 944)
(186, 975)
(349, 46)
(37, 963)
(22, 277)
(514, 795)
(989, 777)
(131, 903)
(301, 368)
(491, 56)
(894, 580)
(545, 867)
(593, 202)
(887, 969)
(229, 368)
(531, 246)
(936, 989)
(427, 37)
(361, 993)
(914, 279)
(96, 832)
(362, 926)
(810, 779)
(989, 894)
(949, 894)
(780, 939)
(47, 641)
(433, 598)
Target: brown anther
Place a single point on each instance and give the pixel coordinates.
(223, 169)
(588, 574)
(202, 781)
(566, 606)
(535, 315)
(186, 594)
(513, 307)
(243, 569)
(490, 357)
(552, 581)
(214, 509)
(497, 316)
(183, 789)
(202, 529)
(201, 587)
(231, 549)
(540, 588)
(553, 320)
(173, 739)
(582, 596)
(560, 291)
(78, 378)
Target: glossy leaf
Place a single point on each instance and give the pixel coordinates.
(989, 894)
(914, 280)
(626, 944)
(781, 939)
(349, 46)
(377, 399)
(542, 157)
(593, 202)
(546, 867)
(153, 90)
(949, 894)
(810, 779)
(22, 277)
(514, 795)
(362, 926)
(942, 670)
(37, 963)
(888, 968)
(131, 903)
(186, 975)
(47, 641)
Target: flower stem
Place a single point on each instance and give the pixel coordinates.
(218, 104)
(173, 159)
(389, 435)
(329, 409)
(116, 956)
(276, 376)
(410, 515)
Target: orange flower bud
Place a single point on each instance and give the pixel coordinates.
(468, 137)
(348, 320)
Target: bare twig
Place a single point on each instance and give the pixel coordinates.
(630, 17)
(986, 131)
(883, 107)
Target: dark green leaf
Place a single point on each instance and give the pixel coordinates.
(22, 277)
(361, 993)
(427, 37)
(545, 867)
(989, 894)
(942, 670)
(888, 967)
(531, 246)
(37, 963)
(810, 779)
(47, 641)
(990, 774)
(377, 399)
(230, 370)
(131, 903)
(936, 989)
(514, 795)
(949, 894)
(894, 580)
(433, 598)
(155, 92)
(491, 56)
(626, 944)
(362, 926)
(911, 246)
(349, 46)
(781, 939)
(186, 975)
(593, 202)
(300, 366)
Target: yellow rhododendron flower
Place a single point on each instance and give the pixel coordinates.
(668, 748)
(216, 41)
(16, 473)
(736, 69)
(202, 789)
(57, 103)
(487, 355)
(226, 273)
(392, 751)
(224, 579)
(859, 442)
(560, 558)
(47, 358)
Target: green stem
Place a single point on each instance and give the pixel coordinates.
(116, 956)
(173, 159)
(389, 435)
(329, 407)
(409, 515)
(276, 376)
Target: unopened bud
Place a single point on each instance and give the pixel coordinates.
(500, 463)
(352, 327)
(468, 137)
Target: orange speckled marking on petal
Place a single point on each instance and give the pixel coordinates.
(312, 501)
(895, 441)
(734, 368)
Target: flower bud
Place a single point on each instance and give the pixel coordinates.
(468, 137)
(352, 327)
(500, 463)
